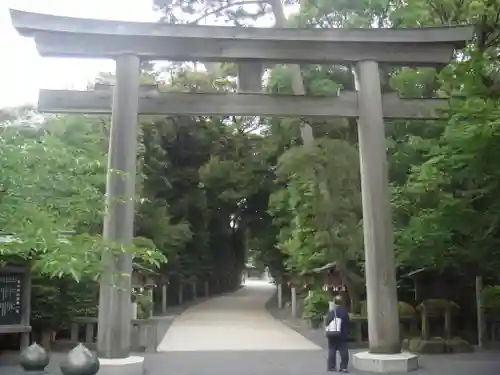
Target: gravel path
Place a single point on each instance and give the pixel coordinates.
(235, 322)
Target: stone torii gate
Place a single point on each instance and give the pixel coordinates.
(130, 42)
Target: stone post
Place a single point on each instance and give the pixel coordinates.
(164, 298)
(480, 312)
(280, 295)
(195, 292)
(207, 289)
(113, 339)
(134, 309)
(249, 77)
(383, 326)
(26, 309)
(294, 301)
(151, 300)
(181, 293)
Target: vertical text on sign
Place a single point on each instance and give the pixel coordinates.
(10, 298)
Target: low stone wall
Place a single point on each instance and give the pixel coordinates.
(145, 333)
(359, 325)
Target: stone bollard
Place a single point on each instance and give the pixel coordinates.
(33, 360)
(80, 361)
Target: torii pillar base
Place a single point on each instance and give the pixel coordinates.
(385, 363)
(133, 365)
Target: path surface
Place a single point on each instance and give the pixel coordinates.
(235, 322)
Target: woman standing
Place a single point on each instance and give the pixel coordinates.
(336, 327)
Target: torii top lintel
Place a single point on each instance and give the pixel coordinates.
(79, 37)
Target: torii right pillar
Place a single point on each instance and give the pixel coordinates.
(384, 353)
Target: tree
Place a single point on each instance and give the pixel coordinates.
(314, 232)
(52, 187)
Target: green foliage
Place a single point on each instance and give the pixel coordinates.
(491, 300)
(144, 304)
(448, 203)
(405, 309)
(52, 197)
(314, 231)
(45, 192)
(56, 301)
(316, 305)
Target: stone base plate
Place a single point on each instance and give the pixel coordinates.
(133, 365)
(385, 363)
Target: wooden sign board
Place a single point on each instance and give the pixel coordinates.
(11, 289)
(15, 302)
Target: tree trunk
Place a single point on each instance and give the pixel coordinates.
(353, 294)
(297, 82)
(447, 322)
(306, 131)
(481, 327)
(351, 287)
(425, 322)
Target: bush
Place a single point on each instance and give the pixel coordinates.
(491, 300)
(316, 305)
(144, 303)
(405, 309)
(55, 302)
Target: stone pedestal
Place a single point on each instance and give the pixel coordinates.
(133, 365)
(385, 363)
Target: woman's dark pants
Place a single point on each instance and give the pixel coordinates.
(337, 344)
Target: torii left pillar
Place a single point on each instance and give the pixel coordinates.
(115, 307)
